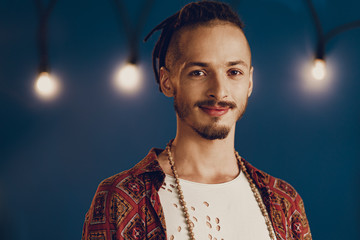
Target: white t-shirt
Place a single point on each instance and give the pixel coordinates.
(226, 211)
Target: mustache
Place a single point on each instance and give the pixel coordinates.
(214, 102)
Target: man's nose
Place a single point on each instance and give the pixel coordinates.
(218, 87)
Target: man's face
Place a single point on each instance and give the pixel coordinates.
(212, 79)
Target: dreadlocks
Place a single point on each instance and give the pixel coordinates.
(192, 14)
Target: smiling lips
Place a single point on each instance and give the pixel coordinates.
(215, 111)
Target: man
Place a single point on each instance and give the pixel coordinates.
(199, 187)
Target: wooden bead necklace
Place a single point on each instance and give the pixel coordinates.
(189, 223)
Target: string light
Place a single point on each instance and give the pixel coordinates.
(319, 69)
(311, 80)
(46, 86)
(128, 78)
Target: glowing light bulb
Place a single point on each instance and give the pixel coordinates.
(319, 69)
(128, 78)
(46, 86)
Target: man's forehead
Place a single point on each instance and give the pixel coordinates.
(201, 43)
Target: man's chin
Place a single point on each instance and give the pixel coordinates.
(211, 132)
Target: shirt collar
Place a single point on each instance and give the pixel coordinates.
(150, 165)
(260, 178)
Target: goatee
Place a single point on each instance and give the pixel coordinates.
(210, 131)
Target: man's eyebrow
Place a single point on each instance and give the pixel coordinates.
(239, 62)
(203, 64)
(196, 64)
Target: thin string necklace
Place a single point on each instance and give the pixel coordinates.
(189, 223)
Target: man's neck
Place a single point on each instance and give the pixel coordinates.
(201, 160)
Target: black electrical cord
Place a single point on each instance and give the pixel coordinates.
(323, 38)
(341, 29)
(133, 31)
(42, 40)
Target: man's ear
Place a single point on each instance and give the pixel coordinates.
(250, 81)
(165, 84)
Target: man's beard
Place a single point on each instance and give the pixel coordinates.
(210, 131)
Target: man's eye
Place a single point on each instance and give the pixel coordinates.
(235, 72)
(197, 73)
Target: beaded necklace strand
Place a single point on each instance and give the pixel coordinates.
(189, 223)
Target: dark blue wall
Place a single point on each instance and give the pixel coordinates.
(52, 156)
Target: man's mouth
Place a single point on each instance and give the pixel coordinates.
(215, 111)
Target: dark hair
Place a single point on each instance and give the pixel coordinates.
(191, 14)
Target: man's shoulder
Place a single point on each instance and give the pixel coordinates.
(133, 180)
(272, 184)
(285, 205)
(114, 180)
(120, 203)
